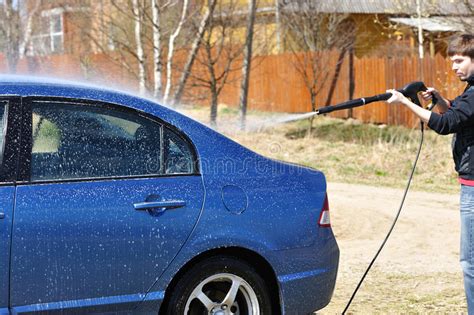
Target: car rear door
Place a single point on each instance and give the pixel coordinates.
(10, 122)
(106, 201)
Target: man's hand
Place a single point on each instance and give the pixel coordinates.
(442, 103)
(397, 98)
(428, 94)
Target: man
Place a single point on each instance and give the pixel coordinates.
(457, 117)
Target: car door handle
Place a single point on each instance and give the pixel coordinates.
(159, 204)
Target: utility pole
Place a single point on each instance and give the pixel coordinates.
(278, 27)
(244, 88)
(420, 29)
(421, 53)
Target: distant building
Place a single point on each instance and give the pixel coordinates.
(57, 27)
(384, 27)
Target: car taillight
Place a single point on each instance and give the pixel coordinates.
(324, 219)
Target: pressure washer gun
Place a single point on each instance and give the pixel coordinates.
(410, 90)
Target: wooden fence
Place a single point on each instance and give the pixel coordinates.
(275, 85)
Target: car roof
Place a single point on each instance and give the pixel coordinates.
(22, 80)
(54, 87)
(34, 85)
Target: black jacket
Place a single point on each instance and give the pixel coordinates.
(459, 119)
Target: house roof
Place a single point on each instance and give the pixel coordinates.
(429, 7)
(436, 23)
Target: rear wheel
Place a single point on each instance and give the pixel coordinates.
(220, 285)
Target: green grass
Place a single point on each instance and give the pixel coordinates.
(339, 130)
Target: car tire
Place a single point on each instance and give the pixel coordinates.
(219, 284)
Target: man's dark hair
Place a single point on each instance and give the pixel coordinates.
(462, 45)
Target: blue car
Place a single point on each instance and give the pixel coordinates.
(111, 203)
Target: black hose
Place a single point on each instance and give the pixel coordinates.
(393, 224)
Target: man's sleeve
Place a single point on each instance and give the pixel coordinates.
(456, 117)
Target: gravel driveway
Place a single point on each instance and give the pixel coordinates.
(418, 271)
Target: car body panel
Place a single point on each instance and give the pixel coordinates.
(57, 225)
(7, 194)
(269, 226)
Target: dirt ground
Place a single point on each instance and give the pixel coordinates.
(418, 271)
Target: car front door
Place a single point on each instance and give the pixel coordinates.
(107, 201)
(10, 123)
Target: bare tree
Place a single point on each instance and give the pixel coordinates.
(244, 88)
(221, 47)
(311, 35)
(11, 32)
(16, 30)
(134, 31)
(130, 32)
(28, 29)
(157, 63)
(138, 15)
(466, 9)
(116, 31)
(469, 4)
(163, 11)
(186, 71)
(171, 50)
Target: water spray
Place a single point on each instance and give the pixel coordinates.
(410, 91)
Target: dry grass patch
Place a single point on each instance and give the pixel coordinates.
(385, 293)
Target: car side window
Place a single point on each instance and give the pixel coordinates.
(179, 158)
(78, 141)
